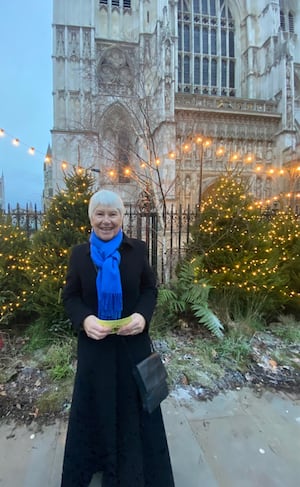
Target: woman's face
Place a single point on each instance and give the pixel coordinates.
(106, 222)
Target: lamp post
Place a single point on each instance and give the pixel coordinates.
(294, 176)
(202, 144)
(200, 177)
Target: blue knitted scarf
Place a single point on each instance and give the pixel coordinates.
(109, 288)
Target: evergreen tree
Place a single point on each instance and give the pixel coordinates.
(244, 254)
(65, 224)
(14, 258)
(285, 235)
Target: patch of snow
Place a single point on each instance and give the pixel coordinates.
(181, 393)
(186, 394)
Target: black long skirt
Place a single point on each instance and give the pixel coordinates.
(108, 430)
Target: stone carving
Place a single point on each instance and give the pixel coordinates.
(258, 187)
(86, 43)
(268, 187)
(187, 189)
(297, 80)
(74, 95)
(167, 99)
(114, 69)
(62, 94)
(269, 153)
(73, 44)
(289, 96)
(147, 52)
(125, 75)
(60, 41)
(88, 96)
(117, 57)
(108, 73)
(168, 56)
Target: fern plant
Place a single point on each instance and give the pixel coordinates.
(188, 295)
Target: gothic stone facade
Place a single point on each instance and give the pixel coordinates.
(136, 81)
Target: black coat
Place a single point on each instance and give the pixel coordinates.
(108, 430)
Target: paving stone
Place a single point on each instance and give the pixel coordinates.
(239, 439)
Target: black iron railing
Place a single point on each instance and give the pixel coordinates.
(166, 238)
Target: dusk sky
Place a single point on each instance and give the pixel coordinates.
(26, 99)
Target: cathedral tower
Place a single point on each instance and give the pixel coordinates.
(133, 80)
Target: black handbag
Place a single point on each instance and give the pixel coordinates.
(151, 378)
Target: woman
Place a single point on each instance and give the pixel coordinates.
(110, 278)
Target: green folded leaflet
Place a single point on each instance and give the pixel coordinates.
(115, 325)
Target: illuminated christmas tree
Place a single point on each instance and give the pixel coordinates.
(14, 259)
(246, 257)
(65, 224)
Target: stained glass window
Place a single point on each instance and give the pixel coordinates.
(206, 47)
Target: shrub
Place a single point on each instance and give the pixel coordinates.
(14, 279)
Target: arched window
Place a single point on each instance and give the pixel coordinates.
(291, 23)
(206, 51)
(282, 20)
(123, 4)
(287, 21)
(123, 162)
(116, 150)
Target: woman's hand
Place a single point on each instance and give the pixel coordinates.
(136, 325)
(93, 329)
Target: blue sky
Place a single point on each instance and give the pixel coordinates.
(26, 99)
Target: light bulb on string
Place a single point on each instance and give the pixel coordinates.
(31, 150)
(220, 151)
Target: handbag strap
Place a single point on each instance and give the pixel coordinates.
(129, 351)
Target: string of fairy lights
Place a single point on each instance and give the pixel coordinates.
(250, 267)
(31, 150)
(236, 157)
(65, 165)
(253, 272)
(255, 166)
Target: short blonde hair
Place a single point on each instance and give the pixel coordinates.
(107, 198)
